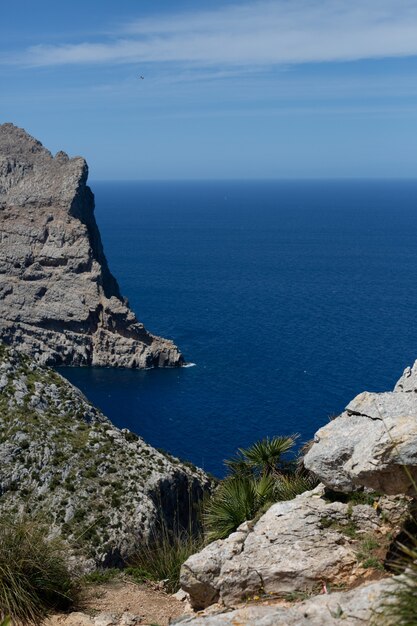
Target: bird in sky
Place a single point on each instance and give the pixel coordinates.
(141, 77)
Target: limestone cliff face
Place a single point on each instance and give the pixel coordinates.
(58, 299)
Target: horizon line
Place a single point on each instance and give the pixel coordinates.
(266, 179)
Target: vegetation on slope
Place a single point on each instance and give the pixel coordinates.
(34, 576)
(259, 476)
(98, 487)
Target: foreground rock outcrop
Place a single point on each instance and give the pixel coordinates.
(58, 300)
(102, 489)
(350, 608)
(322, 538)
(373, 443)
(295, 546)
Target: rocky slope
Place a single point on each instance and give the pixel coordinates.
(58, 300)
(100, 488)
(295, 547)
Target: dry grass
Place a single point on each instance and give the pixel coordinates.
(34, 578)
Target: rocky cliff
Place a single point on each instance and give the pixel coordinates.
(58, 300)
(99, 487)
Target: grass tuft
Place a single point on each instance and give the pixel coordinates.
(34, 578)
(100, 576)
(161, 557)
(399, 603)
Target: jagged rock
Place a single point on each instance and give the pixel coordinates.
(58, 300)
(373, 443)
(408, 381)
(350, 608)
(295, 546)
(63, 460)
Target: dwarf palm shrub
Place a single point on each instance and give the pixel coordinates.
(291, 485)
(259, 477)
(237, 499)
(34, 578)
(263, 457)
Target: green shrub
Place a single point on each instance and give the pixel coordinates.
(291, 485)
(237, 499)
(263, 457)
(34, 578)
(161, 557)
(399, 603)
(100, 576)
(259, 477)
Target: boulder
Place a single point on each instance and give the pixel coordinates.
(408, 381)
(295, 546)
(372, 444)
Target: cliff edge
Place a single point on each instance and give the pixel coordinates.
(59, 301)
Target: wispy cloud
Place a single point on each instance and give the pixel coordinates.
(261, 33)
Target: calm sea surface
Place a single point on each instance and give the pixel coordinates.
(290, 298)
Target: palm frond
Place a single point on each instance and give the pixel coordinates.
(264, 455)
(234, 502)
(239, 466)
(287, 487)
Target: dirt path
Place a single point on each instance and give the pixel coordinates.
(121, 602)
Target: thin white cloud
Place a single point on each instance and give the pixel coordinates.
(261, 33)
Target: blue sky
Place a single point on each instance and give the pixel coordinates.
(259, 89)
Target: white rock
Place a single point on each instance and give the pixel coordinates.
(372, 444)
(295, 546)
(348, 608)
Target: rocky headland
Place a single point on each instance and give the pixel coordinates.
(59, 301)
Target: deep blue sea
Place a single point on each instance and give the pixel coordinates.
(290, 298)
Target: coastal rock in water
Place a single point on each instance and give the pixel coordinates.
(373, 443)
(350, 608)
(99, 487)
(58, 300)
(295, 546)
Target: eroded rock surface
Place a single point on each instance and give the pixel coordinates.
(58, 300)
(101, 619)
(99, 487)
(408, 381)
(295, 546)
(373, 443)
(350, 608)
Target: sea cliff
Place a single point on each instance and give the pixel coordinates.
(59, 301)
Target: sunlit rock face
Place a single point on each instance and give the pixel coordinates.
(59, 301)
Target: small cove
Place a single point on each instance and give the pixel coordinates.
(290, 298)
